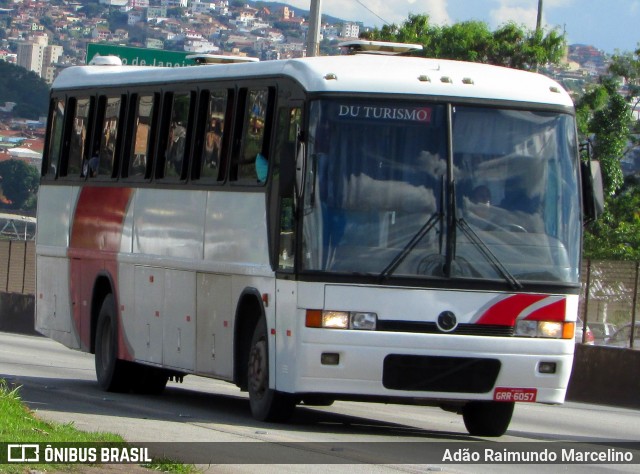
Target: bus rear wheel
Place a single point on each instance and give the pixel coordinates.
(266, 404)
(487, 418)
(112, 373)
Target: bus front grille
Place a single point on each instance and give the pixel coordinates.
(439, 374)
(431, 328)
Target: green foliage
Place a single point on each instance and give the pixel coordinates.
(25, 88)
(117, 20)
(604, 118)
(93, 10)
(47, 22)
(616, 235)
(20, 425)
(510, 45)
(177, 12)
(19, 182)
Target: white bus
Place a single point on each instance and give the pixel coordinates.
(380, 228)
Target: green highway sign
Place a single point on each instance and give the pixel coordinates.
(140, 56)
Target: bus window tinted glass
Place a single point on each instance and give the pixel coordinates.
(104, 163)
(78, 138)
(177, 139)
(142, 134)
(57, 122)
(211, 166)
(516, 179)
(373, 187)
(254, 164)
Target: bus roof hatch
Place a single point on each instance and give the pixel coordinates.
(379, 47)
(204, 58)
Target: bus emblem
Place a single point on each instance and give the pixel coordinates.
(447, 321)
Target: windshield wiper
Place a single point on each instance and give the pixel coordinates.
(415, 240)
(453, 223)
(488, 254)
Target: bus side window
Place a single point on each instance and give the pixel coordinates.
(177, 136)
(73, 160)
(289, 124)
(252, 161)
(56, 124)
(103, 161)
(143, 121)
(211, 162)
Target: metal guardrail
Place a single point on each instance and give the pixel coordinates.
(610, 295)
(18, 227)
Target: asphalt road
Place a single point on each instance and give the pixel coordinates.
(206, 422)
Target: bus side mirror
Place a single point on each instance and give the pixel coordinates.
(592, 190)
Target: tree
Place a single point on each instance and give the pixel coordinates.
(25, 88)
(93, 10)
(117, 19)
(604, 119)
(19, 182)
(616, 235)
(510, 45)
(627, 66)
(47, 22)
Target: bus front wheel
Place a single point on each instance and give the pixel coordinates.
(266, 404)
(111, 372)
(487, 418)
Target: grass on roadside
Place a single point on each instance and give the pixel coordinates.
(21, 425)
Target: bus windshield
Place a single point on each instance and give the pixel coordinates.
(385, 194)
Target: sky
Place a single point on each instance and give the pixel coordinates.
(608, 25)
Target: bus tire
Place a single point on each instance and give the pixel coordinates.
(112, 373)
(266, 404)
(487, 418)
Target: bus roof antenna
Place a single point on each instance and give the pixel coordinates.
(379, 47)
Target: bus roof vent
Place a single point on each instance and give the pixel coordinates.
(109, 60)
(378, 47)
(204, 58)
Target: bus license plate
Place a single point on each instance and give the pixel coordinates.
(502, 394)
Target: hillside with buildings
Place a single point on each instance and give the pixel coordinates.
(45, 36)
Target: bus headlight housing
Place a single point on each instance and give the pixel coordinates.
(356, 320)
(547, 329)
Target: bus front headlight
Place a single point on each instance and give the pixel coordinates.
(547, 329)
(356, 320)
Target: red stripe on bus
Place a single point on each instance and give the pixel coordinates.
(507, 310)
(95, 239)
(555, 311)
(99, 217)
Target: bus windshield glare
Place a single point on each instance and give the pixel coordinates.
(385, 194)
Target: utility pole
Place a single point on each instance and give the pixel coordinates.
(539, 19)
(313, 34)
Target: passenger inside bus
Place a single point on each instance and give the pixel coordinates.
(517, 198)
(262, 168)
